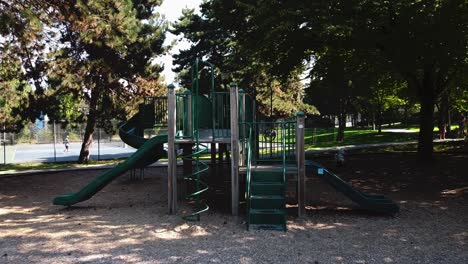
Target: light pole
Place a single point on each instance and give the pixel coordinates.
(4, 145)
(55, 140)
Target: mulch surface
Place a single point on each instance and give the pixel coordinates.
(127, 222)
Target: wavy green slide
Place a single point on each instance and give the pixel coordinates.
(374, 203)
(149, 151)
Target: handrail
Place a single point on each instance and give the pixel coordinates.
(249, 163)
(283, 132)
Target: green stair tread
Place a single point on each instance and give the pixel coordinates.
(267, 197)
(254, 183)
(267, 227)
(267, 188)
(267, 207)
(268, 172)
(268, 211)
(267, 176)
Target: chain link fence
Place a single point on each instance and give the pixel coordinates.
(45, 142)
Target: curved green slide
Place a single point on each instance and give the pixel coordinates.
(374, 203)
(149, 151)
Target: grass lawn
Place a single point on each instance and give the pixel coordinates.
(321, 138)
(60, 165)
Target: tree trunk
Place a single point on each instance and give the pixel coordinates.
(379, 122)
(341, 126)
(444, 118)
(425, 139)
(90, 127)
(373, 120)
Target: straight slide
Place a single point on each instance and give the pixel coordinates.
(149, 151)
(374, 203)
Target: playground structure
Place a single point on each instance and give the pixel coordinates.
(263, 154)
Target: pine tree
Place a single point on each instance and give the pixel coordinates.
(97, 53)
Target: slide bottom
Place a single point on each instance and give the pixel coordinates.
(374, 203)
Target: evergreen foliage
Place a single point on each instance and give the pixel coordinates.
(89, 60)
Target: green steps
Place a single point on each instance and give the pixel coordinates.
(267, 188)
(266, 201)
(267, 176)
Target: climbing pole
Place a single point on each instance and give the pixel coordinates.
(199, 149)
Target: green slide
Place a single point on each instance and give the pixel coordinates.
(149, 151)
(374, 203)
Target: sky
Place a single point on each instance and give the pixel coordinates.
(172, 10)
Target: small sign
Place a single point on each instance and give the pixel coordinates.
(301, 126)
(320, 171)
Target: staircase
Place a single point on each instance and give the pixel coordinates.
(266, 187)
(266, 201)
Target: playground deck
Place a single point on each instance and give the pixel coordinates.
(209, 136)
(290, 168)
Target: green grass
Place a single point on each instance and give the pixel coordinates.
(61, 165)
(439, 147)
(321, 138)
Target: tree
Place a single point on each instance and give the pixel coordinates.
(97, 53)
(425, 42)
(213, 35)
(14, 91)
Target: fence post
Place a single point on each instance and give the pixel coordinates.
(300, 156)
(55, 140)
(99, 144)
(171, 151)
(4, 145)
(234, 149)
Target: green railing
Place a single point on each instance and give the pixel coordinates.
(182, 116)
(159, 105)
(249, 167)
(221, 115)
(269, 141)
(283, 129)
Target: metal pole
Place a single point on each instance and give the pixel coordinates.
(300, 156)
(4, 145)
(99, 144)
(234, 101)
(171, 152)
(55, 139)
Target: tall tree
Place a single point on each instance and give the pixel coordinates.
(14, 89)
(97, 52)
(213, 35)
(425, 42)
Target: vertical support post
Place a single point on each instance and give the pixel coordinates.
(99, 144)
(55, 140)
(4, 145)
(300, 156)
(234, 95)
(244, 137)
(171, 151)
(188, 93)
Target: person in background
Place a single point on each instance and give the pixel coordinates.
(461, 125)
(66, 142)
